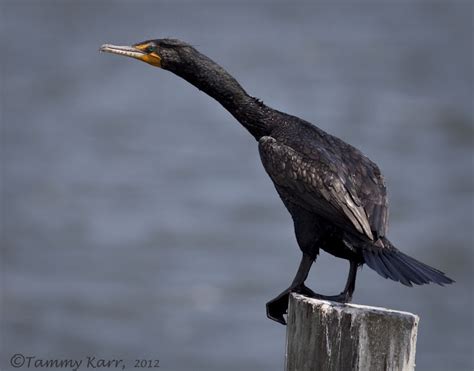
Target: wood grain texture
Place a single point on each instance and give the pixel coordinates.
(323, 335)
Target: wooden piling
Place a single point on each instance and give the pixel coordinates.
(328, 336)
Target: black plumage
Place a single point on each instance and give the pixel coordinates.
(335, 195)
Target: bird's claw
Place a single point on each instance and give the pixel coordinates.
(278, 307)
(343, 297)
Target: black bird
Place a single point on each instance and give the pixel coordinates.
(335, 195)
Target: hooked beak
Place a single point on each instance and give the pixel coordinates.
(134, 51)
(128, 51)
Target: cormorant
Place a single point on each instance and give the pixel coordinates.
(334, 193)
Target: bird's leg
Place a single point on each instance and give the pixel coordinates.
(346, 295)
(277, 307)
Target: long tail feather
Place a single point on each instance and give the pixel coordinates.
(392, 263)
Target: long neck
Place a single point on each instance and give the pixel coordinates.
(212, 79)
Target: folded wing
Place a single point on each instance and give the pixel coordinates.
(317, 183)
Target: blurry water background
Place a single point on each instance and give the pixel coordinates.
(137, 220)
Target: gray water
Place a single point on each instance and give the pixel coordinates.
(137, 219)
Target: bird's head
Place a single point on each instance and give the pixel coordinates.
(186, 62)
(163, 53)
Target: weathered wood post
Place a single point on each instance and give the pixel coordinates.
(327, 336)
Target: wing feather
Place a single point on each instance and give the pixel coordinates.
(315, 184)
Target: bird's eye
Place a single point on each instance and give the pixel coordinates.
(150, 48)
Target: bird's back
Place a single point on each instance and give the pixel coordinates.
(360, 176)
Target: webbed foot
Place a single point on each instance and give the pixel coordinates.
(278, 307)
